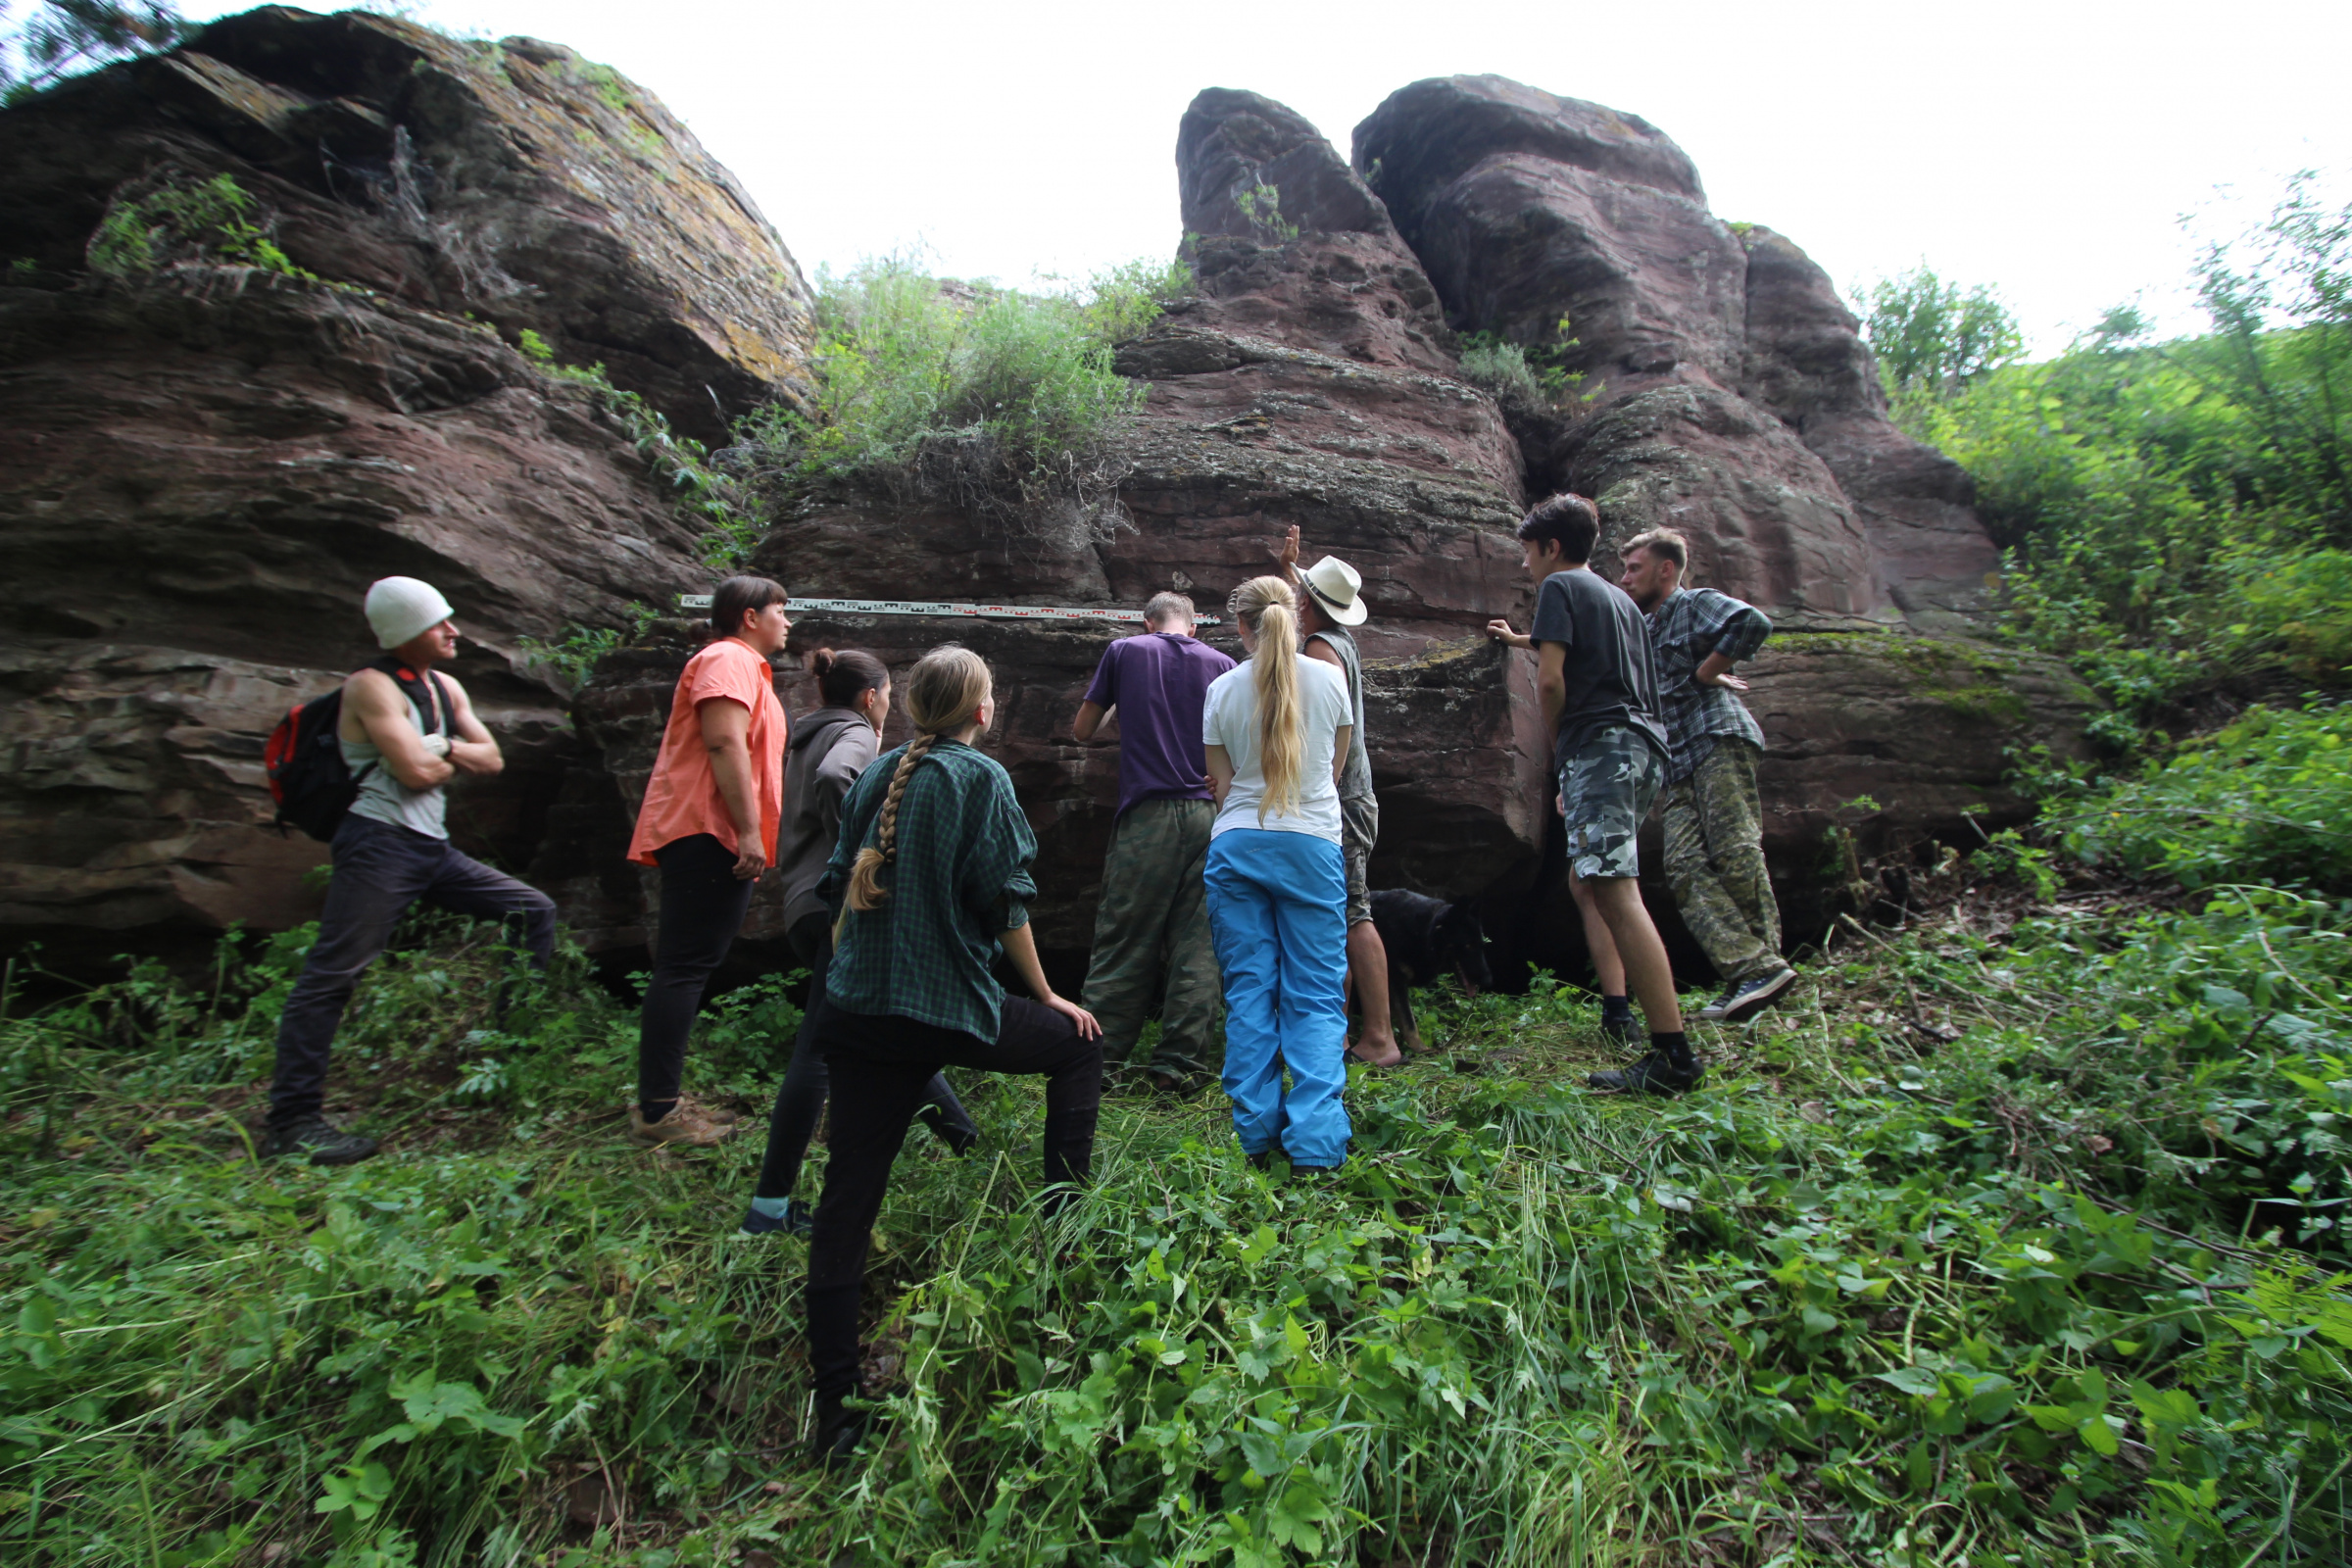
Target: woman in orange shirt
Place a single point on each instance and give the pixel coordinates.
(709, 821)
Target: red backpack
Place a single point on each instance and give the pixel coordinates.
(313, 786)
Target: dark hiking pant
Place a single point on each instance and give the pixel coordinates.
(1151, 938)
(702, 906)
(379, 871)
(801, 1099)
(879, 1065)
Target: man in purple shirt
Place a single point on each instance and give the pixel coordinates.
(1151, 927)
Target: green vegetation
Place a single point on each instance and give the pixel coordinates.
(56, 38)
(2014, 1239)
(1002, 400)
(1527, 377)
(2178, 515)
(571, 657)
(712, 500)
(208, 220)
(1261, 209)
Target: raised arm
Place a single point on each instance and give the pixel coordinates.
(1551, 683)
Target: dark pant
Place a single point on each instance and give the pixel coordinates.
(379, 871)
(879, 1065)
(801, 1099)
(702, 906)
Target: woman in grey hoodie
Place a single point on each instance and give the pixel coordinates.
(829, 749)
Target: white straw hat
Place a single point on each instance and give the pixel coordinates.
(1336, 587)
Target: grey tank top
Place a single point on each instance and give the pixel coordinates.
(1355, 779)
(385, 799)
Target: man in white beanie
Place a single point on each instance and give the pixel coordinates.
(404, 733)
(1331, 601)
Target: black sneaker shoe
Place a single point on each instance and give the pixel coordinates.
(839, 1431)
(1624, 1032)
(957, 1133)
(794, 1221)
(322, 1140)
(1749, 996)
(1654, 1074)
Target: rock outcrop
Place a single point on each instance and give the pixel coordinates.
(212, 452)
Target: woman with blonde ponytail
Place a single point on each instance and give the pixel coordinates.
(931, 878)
(1275, 731)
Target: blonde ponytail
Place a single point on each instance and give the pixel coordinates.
(1265, 607)
(945, 692)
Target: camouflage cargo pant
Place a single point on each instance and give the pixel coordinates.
(1606, 787)
(1715, 863)
(1152, 941)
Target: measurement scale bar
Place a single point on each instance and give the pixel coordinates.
(973, 611)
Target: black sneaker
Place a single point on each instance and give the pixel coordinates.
(794, 1221)
(1749, 996)
(1624, 1032)
(957, 1132)
(322, 1140)
(1654, 1075)
(839, 1431)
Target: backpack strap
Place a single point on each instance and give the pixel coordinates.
(430, 702)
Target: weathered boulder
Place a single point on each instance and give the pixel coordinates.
(210, 456)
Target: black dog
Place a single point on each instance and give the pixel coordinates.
(1426, 938)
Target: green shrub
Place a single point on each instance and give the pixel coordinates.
(211, 219)
(2266, 799)
(971, 390)
(1524, 376)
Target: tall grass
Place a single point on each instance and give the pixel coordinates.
(1989, 1250)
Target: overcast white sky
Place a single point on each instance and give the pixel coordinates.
(2048, 148)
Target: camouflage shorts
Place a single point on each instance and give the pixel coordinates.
(1359, 830)
(1606, 787)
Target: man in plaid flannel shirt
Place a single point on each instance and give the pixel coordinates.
(1713, 819)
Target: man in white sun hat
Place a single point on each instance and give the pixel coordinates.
(405, 732)
(1331, 601)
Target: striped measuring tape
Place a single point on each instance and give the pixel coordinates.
(933, 607)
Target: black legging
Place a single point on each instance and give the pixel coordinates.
(702, 906)
(879, 1065)
(801, 1099)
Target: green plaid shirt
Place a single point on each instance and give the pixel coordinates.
(962, 877)
(1690, 624)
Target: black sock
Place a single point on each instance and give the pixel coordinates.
(1616, 1010)
(1675, 1047)
(653, 1111)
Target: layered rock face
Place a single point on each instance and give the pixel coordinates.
(209, 461)
(1310, 380)
(1725, 392)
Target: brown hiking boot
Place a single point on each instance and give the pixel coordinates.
(717, 1116)
(684, 1126)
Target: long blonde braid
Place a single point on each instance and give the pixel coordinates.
(944, 693)
(1265, 606)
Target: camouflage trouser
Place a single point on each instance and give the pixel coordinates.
(1606, 787)
(1152, 939)
(1715, 862)
(1359, 830)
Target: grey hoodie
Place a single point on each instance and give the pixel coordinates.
(829, 749)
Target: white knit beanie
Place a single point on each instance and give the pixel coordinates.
(403, 608)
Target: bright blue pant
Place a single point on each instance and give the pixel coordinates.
(1275, 910)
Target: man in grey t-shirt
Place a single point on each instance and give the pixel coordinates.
(1598, 685)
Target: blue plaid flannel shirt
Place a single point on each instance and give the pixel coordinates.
(1682, 631)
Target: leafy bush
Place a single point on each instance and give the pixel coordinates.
(1525, 376)
(571, 657)
(2266, 799)
(908, 365)
(177, 220)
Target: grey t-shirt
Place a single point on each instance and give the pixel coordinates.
(1355, 776)
(1612, 674)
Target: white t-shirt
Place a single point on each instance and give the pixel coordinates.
(1229, 718)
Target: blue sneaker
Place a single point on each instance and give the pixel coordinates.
(794, 1221)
